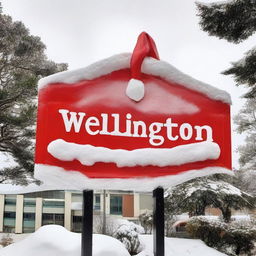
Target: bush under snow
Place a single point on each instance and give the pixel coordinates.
(128, 233)
(233, 238)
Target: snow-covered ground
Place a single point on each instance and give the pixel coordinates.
(53, 240)
(179, 247)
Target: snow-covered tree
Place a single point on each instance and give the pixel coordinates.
(235, 21)
(195, 195)
(146, 221)
(22, 63)
(246, 123)
(246, 180)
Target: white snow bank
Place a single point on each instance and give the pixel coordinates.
(89, 155)
(179, 247)
(150, 66)
(53, 240)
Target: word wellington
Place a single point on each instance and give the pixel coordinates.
(110, 124)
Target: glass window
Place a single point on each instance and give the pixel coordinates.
(28, 222)
(116, 204)
(97, 202)
(10, 201)
(53, 218)
(29, 202)
(77, 224)
(53, 204)
(9, 222)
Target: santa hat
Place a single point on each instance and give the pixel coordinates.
(145, 47)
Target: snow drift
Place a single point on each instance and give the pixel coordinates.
(179, 247)
(53, 240)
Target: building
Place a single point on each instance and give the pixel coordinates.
(26, 213)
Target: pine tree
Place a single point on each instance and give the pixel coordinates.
(234, 21)
(246, 180)
(22, 63)
(195, 195)
(246, 123)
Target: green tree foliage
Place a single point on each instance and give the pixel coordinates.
(22, 63)
(234, 21)
(195, 195)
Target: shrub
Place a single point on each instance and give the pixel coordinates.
(146, 221)
(233, 239)
(6, 240)
(128, 233)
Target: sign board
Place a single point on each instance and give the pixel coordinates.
(130, 121)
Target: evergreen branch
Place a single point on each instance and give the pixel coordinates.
(233, 20)
(10, 100)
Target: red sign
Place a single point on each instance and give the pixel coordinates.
(99, 122)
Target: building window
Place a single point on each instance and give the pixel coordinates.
(9, 222)
(53, 204)
(10, 201)
(28, 222)
(52, 218)
(97, 202)
(29, 202)
(77, 224)
(116, 204)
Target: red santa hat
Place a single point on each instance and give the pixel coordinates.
(145, 47)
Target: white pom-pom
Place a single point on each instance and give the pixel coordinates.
(135, 90)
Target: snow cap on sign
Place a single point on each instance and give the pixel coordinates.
(145, 47)
(149, 66)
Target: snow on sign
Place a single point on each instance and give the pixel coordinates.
(130, 121)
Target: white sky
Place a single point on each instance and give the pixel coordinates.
(80, 32)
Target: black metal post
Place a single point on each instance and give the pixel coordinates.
(158, 221)
(87, 223)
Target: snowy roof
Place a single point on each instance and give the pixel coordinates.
(150, 66)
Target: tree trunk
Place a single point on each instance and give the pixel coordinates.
(200, 210)
(226, 213)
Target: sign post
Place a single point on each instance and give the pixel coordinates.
(158, 221)
(87, 223)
